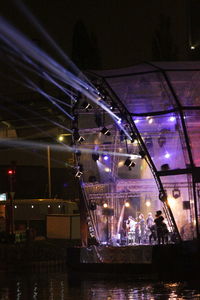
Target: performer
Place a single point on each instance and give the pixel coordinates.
(142, 228)
(149, 228)
(130, 229)
(162, 231)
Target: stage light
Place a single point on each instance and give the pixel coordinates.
(129, 163)
(76, 136)
(78, 153)
(142, 153)
(172, 119)
(61, 138)
(127, 204)
(93, 205)
(192, 47)
(107, 170)
(81, 139)
(165, 167)
(80, 171)
(148, 203)
(105, 205)
(176, 193)
(105, 131)
(167, 155)
(133, 137)
(78, 174)
(86, 105)
(150, 120)
(95, 156)
(105, 157)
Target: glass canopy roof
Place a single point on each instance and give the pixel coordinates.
(160, 105)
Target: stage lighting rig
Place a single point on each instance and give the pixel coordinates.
(129, 163)
(86, 105)
(105, 131)
(79, 171)
(95, 156)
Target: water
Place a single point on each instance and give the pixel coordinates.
(59, 286)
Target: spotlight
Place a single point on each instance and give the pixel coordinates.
(61, 138)
(127, 204)
(129, 163)
(165, 167)
(148, 203)
(81, 139)
(78, 153)
(86, 105)
(167, 155)
(142, 153)
(176, 193)
(93, 205)
(105, 131)
(76, 134)
(78, 174)
(133, 137)
(95, 156)
(80, 171)
(105, 205)
(105, 157)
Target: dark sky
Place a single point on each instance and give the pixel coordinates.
(125, 31)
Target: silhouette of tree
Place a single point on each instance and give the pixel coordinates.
(85, 52)
(163, 46)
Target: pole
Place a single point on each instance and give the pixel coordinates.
(49, 170)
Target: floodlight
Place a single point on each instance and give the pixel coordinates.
(105, 131)
(129, 163)
(95, 156)
(86, 105)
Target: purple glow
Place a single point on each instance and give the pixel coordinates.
(105, 157)
(172, 119)
(167, 155)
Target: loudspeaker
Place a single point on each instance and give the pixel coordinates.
(164, 167)
(186, 204)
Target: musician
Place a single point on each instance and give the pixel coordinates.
(130, 229)
(142, 225)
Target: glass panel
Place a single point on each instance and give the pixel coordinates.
(186, 86)
(164, 140)
(180, 199)
(192, 120)
(143, 93)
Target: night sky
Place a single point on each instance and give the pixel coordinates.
(110, 34)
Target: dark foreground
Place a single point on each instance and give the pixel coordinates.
(168, 262)
(43, 286)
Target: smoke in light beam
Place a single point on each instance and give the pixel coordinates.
(29, 49)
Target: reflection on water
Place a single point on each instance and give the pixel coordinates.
(58, 286)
